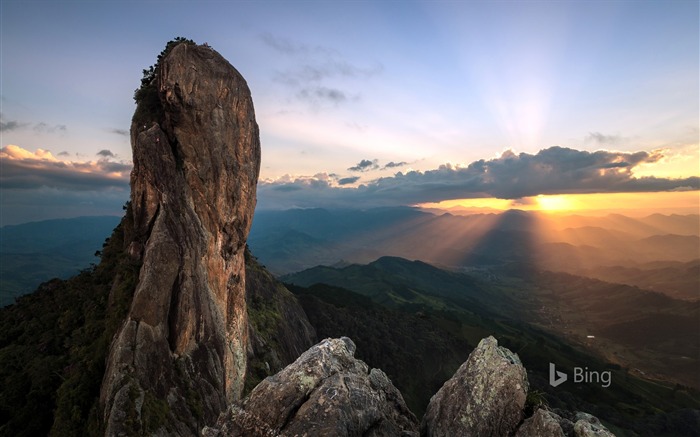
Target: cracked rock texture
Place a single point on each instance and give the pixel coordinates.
(485, 397)
(180, 357)
(546, 423)
(325, 392)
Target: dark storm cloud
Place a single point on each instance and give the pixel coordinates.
(555, 170)
(365, 165)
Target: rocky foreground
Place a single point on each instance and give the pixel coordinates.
(328, 392)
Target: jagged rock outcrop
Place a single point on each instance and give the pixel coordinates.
(325, 392)
(180, 357)
(485, 397)
(546, 423)
(543, 424)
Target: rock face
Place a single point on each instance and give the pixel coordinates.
(485, 397)
(550, 424)
(180, 357)
(325, 392)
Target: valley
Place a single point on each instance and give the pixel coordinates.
(417, 291)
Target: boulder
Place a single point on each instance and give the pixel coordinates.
(325, 392)
(485, 397)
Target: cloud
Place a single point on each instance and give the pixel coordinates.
(122, 132)
(555, 170)
(316, 72)
(9, 125)
(42, 127)
(602, 139)
(64, 153)
(393, 164)
(106, 153)
(286, 46)
(25, 170)
(348, 180)
(365, 165)
(318, 94)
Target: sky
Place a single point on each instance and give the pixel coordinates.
(368, 103)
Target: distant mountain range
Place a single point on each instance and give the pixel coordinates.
(292, 240)
(657, 252)
(32, 253)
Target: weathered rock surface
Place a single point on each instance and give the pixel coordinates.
(543, 424)
(180, 357)
(589, 426)
(485, 397)
(546, 423)
(325, 392)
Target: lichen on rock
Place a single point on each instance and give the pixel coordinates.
(485, 397)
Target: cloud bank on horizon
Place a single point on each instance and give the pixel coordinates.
(104, 183)
(38, 185)
(555, 170)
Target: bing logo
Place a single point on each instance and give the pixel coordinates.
(581, 374)
(556, 378)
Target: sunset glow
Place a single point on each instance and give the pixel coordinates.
(682, 202)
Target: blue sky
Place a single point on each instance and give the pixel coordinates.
(335, 84)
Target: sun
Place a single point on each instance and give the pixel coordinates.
(554, 203)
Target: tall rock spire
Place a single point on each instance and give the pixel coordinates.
(180, 356)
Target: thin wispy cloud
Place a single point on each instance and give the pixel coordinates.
(393, 164)
(42, 127)
(555, 170)
(39, 127)
(317, 75)
(317, 95)
(287, 46)
(122, 132)
(10, 125)
(602, 139)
